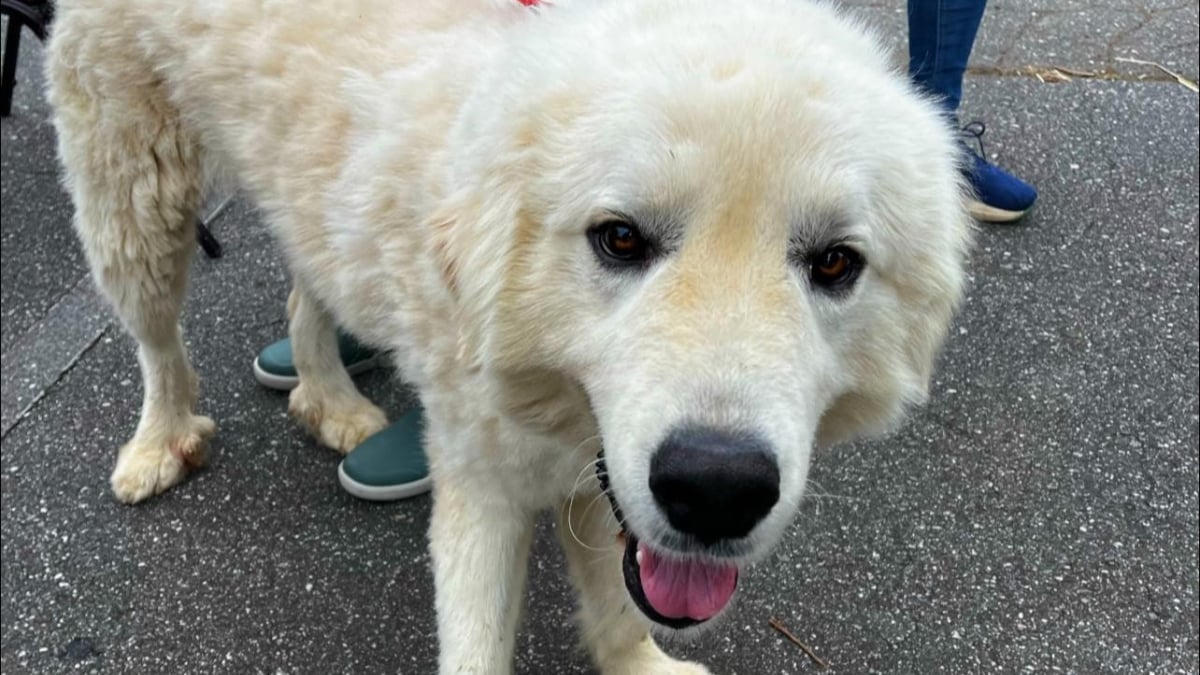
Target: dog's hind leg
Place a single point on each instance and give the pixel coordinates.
(614, 630)
(135, 176)
(326, 400)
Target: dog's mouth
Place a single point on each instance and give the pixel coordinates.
(674, 591)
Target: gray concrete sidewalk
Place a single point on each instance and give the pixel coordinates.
(1040, 515)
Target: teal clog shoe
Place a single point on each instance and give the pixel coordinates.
(275, 368)
(391, 464)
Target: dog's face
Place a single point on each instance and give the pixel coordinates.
(737, 232)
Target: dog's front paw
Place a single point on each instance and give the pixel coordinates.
(341, 423)
(157, 459)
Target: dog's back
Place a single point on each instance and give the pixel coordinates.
(259, 86)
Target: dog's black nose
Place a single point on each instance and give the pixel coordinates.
(714, 484)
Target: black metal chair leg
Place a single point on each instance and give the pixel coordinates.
(36, 16)
(204, 237)
(8, 77)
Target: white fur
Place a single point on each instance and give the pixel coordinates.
(431, 170)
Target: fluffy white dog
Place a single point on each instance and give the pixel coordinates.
(699, 235)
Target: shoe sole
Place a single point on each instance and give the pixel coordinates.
(290, 382)
(384, 493)
(991, 214)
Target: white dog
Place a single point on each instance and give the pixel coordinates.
(700, 235)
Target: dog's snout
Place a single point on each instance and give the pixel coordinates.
(714, 484)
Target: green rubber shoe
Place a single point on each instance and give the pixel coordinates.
(274, 367)
(391, 464)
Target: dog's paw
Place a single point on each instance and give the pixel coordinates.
(154, 461)
(341, 423)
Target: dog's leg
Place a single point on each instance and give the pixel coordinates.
(326, 401)
(480, 545)
(616, 633)
(135, 176)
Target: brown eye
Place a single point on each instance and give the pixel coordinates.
(619, 243)
(836, 267)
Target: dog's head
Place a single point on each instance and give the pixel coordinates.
(736, 229)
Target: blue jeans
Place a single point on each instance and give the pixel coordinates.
(940, 36)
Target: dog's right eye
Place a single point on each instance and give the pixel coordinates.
(619, 243)
(835, 268)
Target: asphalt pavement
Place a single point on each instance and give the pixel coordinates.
(1039, 515)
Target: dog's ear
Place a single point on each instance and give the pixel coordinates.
(890, 372)
(471, 240)
(449, 248)
(892, 359)
(445, 252)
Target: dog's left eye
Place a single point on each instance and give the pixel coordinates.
(835, 268)
(619, 243)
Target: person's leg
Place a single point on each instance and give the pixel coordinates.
(941, 35)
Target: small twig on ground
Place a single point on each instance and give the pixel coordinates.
(1178, 78)
(775, 623)
(1049, 75)
(1077, 73)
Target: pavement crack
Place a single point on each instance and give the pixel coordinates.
(25, 412)
(1028, 24)
(1110, 47)
(84, 279)
(1031, 72)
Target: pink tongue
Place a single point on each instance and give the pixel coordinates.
(690, 589)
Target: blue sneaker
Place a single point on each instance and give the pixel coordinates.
(1000, 197)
